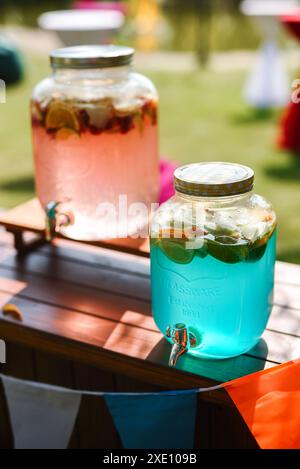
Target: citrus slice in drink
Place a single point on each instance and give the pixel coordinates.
(61, 115)
(201, 252)
(65, 133)
(226, 249)
(256, 253)
(175, 250)
(257, 249)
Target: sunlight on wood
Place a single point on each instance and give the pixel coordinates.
(131, 341)
(12, 286)
(139, 320)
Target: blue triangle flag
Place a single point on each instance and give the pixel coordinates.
(164, 420)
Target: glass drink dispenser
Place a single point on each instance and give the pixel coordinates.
(212, 262)
(94, 125)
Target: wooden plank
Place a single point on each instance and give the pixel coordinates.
(89, 300)
(285, 320)
(101, 278)
(96, 256)
(287, 273)
(29, 216)
(287, 296)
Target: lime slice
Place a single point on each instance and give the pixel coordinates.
(256, 253)
(175, 251)
(201, 252)
(61, 115)
(258, 248)
(226, 250)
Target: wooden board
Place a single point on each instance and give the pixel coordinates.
(29, 217)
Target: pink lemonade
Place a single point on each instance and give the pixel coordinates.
(88, 153)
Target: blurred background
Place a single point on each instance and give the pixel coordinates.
(217, 101)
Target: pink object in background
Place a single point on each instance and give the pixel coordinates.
(93, 5)
(166, 169)
(289, 137)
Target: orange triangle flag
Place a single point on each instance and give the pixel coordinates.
(269, 402)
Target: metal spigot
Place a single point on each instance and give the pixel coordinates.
(55, 219)
(182, 341)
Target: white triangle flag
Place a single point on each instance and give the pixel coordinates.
(42, 416)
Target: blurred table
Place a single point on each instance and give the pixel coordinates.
(80, 27)
(87, 324)
(96, 5)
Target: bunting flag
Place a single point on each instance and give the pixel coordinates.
(269, 402)
(42, 416)
(164, 420)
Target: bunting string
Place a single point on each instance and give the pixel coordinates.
(43, 416)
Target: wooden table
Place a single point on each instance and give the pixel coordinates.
(87, 324)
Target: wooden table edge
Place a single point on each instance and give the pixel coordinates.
(108, 360)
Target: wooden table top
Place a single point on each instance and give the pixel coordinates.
(93, 305)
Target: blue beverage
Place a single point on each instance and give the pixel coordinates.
(222, 293)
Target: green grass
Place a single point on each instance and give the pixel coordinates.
(203, 117)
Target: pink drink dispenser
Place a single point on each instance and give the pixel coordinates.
(94, 125)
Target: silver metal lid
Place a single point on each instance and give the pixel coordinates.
(213, 179)
(91, 56)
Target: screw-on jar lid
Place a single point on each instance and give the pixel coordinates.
(213, 179)
(92, 56)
